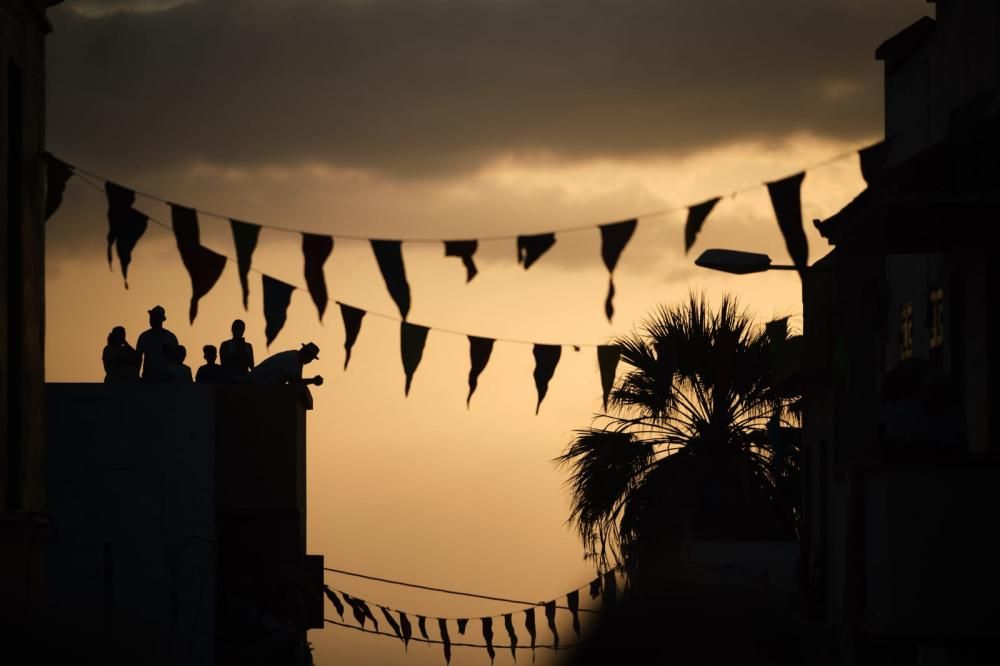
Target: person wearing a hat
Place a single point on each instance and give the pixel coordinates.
(155, 346)
(286, 368)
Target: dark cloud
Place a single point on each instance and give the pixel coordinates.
(104, 7)
(425, 87)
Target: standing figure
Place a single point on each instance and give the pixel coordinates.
(236, 354)
(121, 362)
(211, 372)
(180, 373)
(151, 347)
(286, 368)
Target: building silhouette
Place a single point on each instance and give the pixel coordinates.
(901, 382)
(179, 525)
(23, 525)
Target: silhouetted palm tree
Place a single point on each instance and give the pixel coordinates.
(694, 441)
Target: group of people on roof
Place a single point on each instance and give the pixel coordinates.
(158, 357)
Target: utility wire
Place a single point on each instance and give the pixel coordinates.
(442, 590)
(524, 604)
(583, 227)
(481, 646)
(380, 315)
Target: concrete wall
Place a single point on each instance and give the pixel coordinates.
(178, 522)
(131, 474)
(22, 46)
(930, 549)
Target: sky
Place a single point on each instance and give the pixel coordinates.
(447, 119)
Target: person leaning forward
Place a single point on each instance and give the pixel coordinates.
(286, 368)
(151, 347)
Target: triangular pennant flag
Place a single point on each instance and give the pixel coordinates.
(610, 592)
(412, 340)
(406, 628)
(277, 296)
(595, 588)
(332, 596)
(367, 611)
(873, 160)
(445, 639)
(508, 623)
(479, 355)
(488, 637)
(697, 215)
(208, 268)
(607, 361)
(125, 225)
(422, 627)
(530, 248)
(359, 614)
(529, 624)
(352, 326)
(57, 174)
(389, 255)
(315, 251)
(546, 359)
(573, 603)
(245, 237)
(786, 199)
(550, 615)
(203, 265)
(185, 224)
(392, 622)
(614, 238)
(464, 249)
(462, 622)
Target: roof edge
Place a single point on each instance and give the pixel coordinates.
(900, 47)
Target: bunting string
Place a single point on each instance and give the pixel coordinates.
(550, 607)
(609, 587)
(431, 641)
(605, 587)
(381, 315)
(866, 150)
(204, 266)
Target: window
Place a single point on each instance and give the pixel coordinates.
(936, 314)
(906, 332)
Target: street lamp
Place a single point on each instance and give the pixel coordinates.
(739, 263)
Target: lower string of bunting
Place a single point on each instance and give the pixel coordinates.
(604, 586)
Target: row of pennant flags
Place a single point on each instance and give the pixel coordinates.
(402, 623)
(127, 225)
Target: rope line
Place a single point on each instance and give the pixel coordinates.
(573, 229)
(481, 646)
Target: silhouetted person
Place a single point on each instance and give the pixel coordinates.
(286, 368)
(151, 345)
(121, 362)
(179, 372)
(211, 372)
(236, 354)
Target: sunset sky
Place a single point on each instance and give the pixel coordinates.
(447, 119)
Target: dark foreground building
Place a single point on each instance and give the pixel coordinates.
(902, 410)
(179, 525)
(23, 526)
